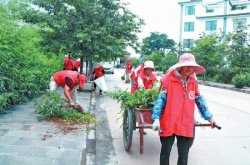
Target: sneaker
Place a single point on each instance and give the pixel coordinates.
(127, 81)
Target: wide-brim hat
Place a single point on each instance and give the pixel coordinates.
(187, 59)
(82, 80)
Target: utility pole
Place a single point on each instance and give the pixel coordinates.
(181, 19)
(225, 18)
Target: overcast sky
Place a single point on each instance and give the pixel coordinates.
(159, 16)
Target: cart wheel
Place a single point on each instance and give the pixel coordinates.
(127, 129)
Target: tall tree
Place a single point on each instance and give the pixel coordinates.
(157, 42)
(210, 53)
(90, 29)
(239, 51)
(156, 57)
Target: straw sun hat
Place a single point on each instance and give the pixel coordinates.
(187, 59)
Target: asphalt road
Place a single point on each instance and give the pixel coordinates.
(228, 146)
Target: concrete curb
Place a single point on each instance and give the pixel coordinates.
(89, 153)
(228, 87)
(90, 156)
(218, 85)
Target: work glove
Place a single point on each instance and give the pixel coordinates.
(156, 124)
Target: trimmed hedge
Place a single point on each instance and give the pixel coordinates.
(241, 80)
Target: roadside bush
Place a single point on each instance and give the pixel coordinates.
(225, 75)
(25, 71)
(240, 80)
(248, 80)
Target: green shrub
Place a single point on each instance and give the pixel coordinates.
(248, 80)
(51, 105)
(25, 70)
(240, 80)
(225, 75)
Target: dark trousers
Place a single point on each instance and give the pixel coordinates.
(183, 145)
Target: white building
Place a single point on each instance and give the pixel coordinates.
(212, 16)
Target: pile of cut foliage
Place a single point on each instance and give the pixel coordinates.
(51, 106)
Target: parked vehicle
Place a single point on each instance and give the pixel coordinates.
(108, 67)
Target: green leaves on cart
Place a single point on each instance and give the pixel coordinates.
(140, 99)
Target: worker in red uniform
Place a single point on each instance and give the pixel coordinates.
(76, 65)
(128, 70)
(135, 72)
(68, 80)
(173, 110)
(145, 78)
(97, 73)
(68, 63)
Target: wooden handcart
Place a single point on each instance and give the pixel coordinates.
(141, 119)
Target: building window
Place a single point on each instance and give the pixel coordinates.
(189, 26)
(190, 10)
(209, 10)
(211, 25)
(240, 24)
(188, 43)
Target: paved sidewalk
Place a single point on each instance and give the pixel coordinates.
(26, 141)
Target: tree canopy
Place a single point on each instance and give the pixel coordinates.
(93, 29)
(157, 42)
(239, 51)
(210, 52)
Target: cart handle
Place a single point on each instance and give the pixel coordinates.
(196, 124)
(159, 129)
(207, 125)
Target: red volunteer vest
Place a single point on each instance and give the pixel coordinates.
(178, 115)
(138, 70)
(68, 64)
(129, 67)
(148, 84)
(99, 71)
(59, 77)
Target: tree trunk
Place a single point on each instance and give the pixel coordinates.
(87, 65)
(204, 77)
(241, 61)
(91, 66)
(81, 66)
